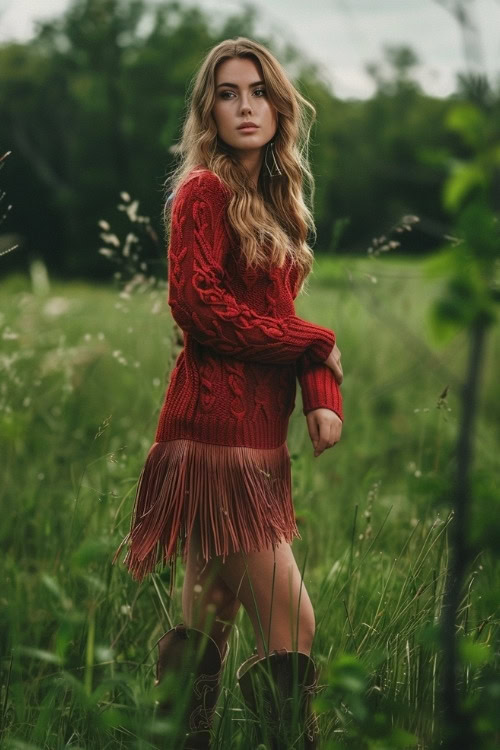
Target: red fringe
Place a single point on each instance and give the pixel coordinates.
(242, 497)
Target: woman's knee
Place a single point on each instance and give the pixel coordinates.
(269, 585)
(206, 596)
(222, 599)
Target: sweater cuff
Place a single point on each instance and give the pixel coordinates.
(320, 389)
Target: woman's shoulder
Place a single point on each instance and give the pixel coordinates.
(204, 183)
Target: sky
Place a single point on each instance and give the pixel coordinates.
(343, 36)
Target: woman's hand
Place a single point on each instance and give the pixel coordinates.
(325, 429)
(333, 362)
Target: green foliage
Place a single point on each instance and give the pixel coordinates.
(464, 296)
(469, 267)
(465, 178)
(128, 66)
(80, 634)
(366, 727)
(472, 124)
(469, 299)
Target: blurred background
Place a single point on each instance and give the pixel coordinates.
(93, 93)
(400, 521)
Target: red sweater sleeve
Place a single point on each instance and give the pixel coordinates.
(319, 386)
(206, 309)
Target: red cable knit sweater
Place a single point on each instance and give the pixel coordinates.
(234, 381)
(220, 453)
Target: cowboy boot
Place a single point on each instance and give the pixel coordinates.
(267, 686)
(195, 659)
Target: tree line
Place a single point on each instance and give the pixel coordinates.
(92, 107)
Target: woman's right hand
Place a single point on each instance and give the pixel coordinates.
(333, 362)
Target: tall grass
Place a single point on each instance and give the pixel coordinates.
(83, 372)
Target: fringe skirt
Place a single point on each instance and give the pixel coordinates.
(241, 497)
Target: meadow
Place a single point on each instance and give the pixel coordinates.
(83, 373)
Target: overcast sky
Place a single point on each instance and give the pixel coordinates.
(342, 35)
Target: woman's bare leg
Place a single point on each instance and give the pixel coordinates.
(283, 606)
(213, 591)
(207, 602)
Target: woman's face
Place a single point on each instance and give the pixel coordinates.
(240, 96)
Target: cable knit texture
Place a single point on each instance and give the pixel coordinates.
(220, 451)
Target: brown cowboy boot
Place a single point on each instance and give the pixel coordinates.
(267, 686)
(195, 659)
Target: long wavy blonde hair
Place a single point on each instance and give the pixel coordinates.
(271, 221)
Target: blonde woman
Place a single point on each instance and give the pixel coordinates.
(216, 484)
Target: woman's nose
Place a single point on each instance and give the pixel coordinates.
(245, 107)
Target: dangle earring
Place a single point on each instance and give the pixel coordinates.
(269, 169)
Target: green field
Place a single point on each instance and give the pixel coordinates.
(83, 373)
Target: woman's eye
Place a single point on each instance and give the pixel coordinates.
(223, 94)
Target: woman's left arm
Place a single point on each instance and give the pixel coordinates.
(322, 403)
(319, 386)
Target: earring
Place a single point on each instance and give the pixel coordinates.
(269, 169)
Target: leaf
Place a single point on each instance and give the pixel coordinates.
(402, 738)
(475, 654)
(478, 225)
(463, 180)
(469, 121)
(347, 673)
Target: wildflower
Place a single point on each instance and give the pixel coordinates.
(132, 210)
(130, 239)
(111, 238)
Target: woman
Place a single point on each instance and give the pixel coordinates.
(216, 485)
